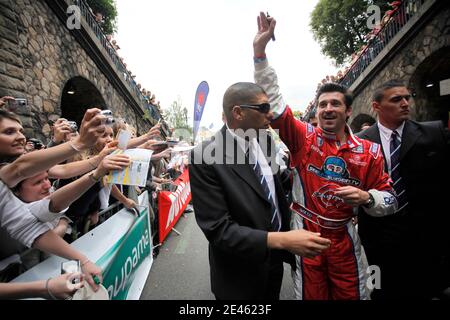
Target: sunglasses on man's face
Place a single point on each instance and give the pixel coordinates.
(263, 107)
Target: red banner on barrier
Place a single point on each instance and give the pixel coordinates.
(172, 204)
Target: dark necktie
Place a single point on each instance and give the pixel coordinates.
(399, 184)
(275, 216)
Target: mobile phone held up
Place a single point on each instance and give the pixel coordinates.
(17, 103)
(109, 121)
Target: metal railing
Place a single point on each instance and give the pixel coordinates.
(112, 53)
(405, 11)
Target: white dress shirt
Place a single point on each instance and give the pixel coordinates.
(256, 154)
(385, 135)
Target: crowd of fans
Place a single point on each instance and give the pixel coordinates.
(63, 195)
(373, 44)
(68, 195)
(152, 105)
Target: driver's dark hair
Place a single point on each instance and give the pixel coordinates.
(378, 94)
(335, 87)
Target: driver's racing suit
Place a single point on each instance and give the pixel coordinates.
(324, 164)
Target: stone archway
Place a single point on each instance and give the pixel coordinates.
(425, 84)
(79, 94)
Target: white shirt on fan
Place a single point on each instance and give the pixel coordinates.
(25, 221)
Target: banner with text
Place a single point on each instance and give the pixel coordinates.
(199, 105)
(122, 260)
(121, 246)
(172, 204)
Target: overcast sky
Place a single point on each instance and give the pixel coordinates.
(173, 45)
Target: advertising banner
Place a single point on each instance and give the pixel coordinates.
(172, 204)
(121, 246)
(122, 260)
(199, 105)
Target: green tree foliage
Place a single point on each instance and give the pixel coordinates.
(298, 114)
(176, 115)
(147, 115)
(108, 9)
(341, 25)
(183, 134)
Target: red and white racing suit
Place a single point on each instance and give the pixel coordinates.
(324, 164)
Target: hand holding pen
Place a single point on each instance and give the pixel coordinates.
(268, 16)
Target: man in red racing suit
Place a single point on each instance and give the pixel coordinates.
(336, 173)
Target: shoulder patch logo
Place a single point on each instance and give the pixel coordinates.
(358, 149)
(319, 141)
(309, 130)
(375, 150)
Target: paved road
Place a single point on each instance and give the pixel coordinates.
(181, 270)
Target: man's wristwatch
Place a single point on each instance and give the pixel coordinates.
(370, 203)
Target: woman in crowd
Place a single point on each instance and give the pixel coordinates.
(35, 193)
(37, 188)
(85, 210)
(19, 220)
(44, 211)
(12, 145)
(12, 139)
(28, 191)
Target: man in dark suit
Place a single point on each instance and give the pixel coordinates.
(239, 203)
(412, 246)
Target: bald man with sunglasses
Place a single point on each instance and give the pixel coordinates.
(240, 205)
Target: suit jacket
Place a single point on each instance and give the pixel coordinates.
(235, 216)
(423, 167)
